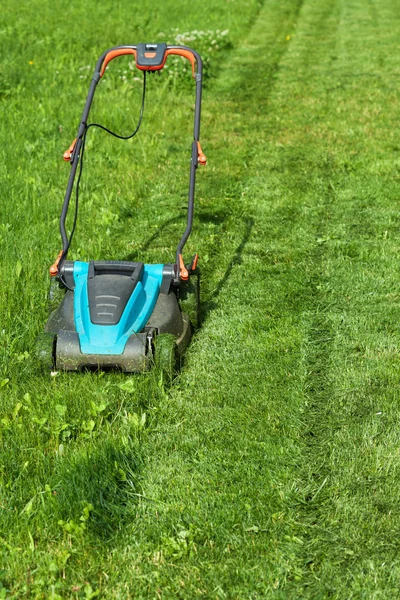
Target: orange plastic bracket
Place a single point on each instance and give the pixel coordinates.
(202, 156)
(68, 153)
(54, 267)
(183, 272)
(113, 54)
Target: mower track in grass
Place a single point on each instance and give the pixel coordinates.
(347, 502)
(268, 469)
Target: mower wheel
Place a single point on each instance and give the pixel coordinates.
(165, 355)
(44, 351)
(55, 295)
(190, 298)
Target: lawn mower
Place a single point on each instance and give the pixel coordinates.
(115, 313)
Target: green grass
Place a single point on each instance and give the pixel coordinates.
(269, 468)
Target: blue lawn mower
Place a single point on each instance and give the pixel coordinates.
(121, 314)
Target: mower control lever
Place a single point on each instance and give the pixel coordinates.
(68, 153)
(193, 264)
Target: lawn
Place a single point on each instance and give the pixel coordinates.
(269, 466)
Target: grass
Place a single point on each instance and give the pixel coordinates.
(269, 468)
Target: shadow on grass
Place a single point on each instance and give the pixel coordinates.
(236, 259)
(103, 480)
(217, 217)
(148, 243)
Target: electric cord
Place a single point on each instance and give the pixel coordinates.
(82, 153)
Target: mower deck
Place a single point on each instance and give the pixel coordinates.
(111, 314)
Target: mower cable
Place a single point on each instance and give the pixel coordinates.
(121, 137)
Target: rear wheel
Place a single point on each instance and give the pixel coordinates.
(165, 355)
(189, 298)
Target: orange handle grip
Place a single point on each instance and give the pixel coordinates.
(122, 51)
(113, 54)
(186, 54)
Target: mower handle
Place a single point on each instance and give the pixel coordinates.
(149, 53)
(148, 57)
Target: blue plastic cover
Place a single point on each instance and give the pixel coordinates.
(111, 339)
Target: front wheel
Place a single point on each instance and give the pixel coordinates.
(44, 351)
(55, 295)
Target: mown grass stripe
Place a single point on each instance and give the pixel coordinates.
(346, 529)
